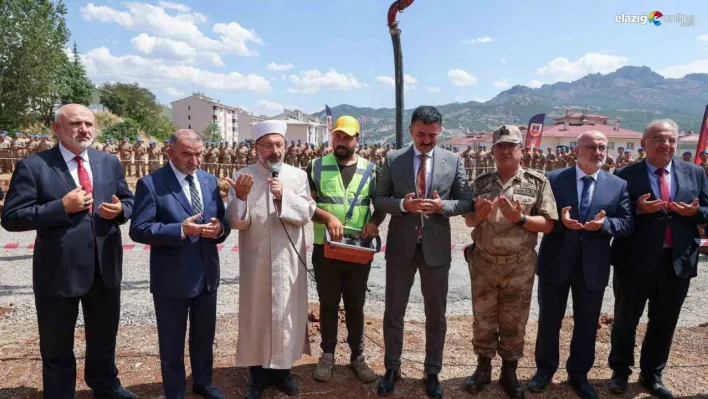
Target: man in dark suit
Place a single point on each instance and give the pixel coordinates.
(421, 186)
(2, 200)
(656, 263)
(180, 214)
(576, 256)
(78, 254)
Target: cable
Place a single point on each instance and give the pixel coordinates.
(277, 209)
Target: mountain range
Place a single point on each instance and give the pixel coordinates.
(634, 95)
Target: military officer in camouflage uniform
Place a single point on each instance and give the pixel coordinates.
(550, 159)
(512, 205)
(141, 151)
(44, 143)
(226, 160)
(252, 155)
(468, 157)
(19, 147)
(126, 154)
(641, 155)
(153, 157)
(5, 145)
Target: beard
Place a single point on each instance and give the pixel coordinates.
(342, 152)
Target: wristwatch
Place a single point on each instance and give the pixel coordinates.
(442, 210)
(522, 221)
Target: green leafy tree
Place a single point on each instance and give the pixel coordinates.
(160, 128)
(76, 86)
(212, 133)
(130, 101)
(128, 129)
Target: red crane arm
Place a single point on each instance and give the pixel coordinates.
(396, 7)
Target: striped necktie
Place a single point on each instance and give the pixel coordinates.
(194, 194)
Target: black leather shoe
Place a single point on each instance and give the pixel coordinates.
(253, 392)
(433, 387)
(583, 389)
(539, 382)
(509, 381)
(482, 376)
(388, 382)
(288, 386)
(657, 388)
(618, 383)
(208, 392)
(118, 393)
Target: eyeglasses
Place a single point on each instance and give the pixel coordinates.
(271, 147)
(593, 148)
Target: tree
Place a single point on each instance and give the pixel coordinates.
(131, 101)
(128, 129)
(32, 60)
(76, 86)
(212, 133)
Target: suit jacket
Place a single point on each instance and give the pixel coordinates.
(640, 252)
(64, 260)
(178, 268)
(562, 248)
(396, 180)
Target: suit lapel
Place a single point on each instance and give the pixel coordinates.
(572, 192)
(408, 159)
(96, 171)
(642, 179)
(681, 174)
(176, 189)
(59, 166)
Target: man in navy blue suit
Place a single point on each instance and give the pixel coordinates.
(575, 257)
(180, 214)
(75, 198)
(657, 262)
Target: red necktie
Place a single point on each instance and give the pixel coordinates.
(421, 184)
(84, 178)
(665, 196)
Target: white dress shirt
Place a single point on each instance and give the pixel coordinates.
(428, 170)
(579, 174)
(74, 166)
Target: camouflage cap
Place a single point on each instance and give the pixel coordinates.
(506, 134)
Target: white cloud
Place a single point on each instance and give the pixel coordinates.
(703, 38)
(151, 19)
(310, 82)
(458, 77)
(535, 84)
(561, 69)
(434, 89)
(174, 92)
(501, 84)
(173, 50)
(102, 66)
(503, 61)
(485, 39)
(280, 67)
(270, 106)
(409, 82)
(679, 71)
(174, 6)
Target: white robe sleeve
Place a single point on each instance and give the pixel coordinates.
(298, 207)
(237, 212)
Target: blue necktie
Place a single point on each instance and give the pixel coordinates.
(585, 199)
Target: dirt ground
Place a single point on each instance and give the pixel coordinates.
(139, 367)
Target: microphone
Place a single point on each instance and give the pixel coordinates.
(274, 168)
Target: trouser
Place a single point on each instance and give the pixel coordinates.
(338, 280)
(470, 172)
(433, 285)
(264, 377)
(171, 314)
(501, 300)
(56, 319)
(552, 301)
(665, 293)
(126, 168)
(140, 168)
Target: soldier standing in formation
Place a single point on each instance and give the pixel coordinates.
(153, 157)
(468, 156)
(140, 151)
(126, 153)
(5, 161)
(512, 205)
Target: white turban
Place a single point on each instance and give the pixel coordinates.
(261, 129)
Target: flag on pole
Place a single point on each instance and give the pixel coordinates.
(535, 131)
(329, 118)
(703, 138)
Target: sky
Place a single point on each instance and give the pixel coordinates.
(301, 54)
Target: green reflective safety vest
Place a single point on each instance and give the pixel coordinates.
(334, 198)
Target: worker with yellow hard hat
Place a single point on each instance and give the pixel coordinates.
(343, 185)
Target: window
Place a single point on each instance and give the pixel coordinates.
(630, 146)
(573, 144)
(189, 107)
(611, 145)
(189, 117)
(189, 126)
